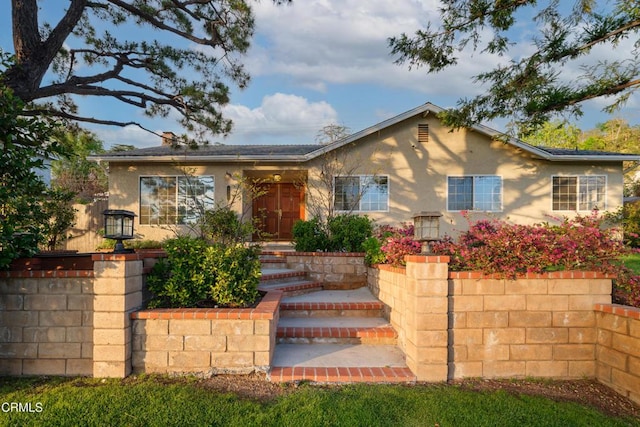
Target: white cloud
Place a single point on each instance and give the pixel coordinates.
(281, 118)
(322, 42)
(327, 41)
(129, 135)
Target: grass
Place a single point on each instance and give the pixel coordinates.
(160, 401)
(632, 262)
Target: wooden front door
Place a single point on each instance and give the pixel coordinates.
(278, 209)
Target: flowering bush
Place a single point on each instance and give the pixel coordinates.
(389, 245)
(580, 243)
(491, 246)
(626, 289)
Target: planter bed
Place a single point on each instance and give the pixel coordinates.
(206, 341)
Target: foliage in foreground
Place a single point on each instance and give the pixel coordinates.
(31, 214)
(196, 273)
(161, 401)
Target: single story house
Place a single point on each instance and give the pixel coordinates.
(389, 171)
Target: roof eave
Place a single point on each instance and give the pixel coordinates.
(592, 158)
(173, 159)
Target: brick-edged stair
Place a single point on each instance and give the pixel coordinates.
(330, 336)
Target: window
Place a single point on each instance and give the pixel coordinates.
(579, 193)
(361, 193)
(478, 193)
(174, 200)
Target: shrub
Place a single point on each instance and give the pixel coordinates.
(184, 278)
(491, 246)
(341, 233)
(310, 236)
(373, 251)
(347, 233)
(195, 273)
(398, 247)
(626, 289)
(391, 244)
(237, 274)
(222, 225)
(631, 223)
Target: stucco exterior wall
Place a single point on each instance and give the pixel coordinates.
(417, 175)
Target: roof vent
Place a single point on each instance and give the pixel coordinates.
(423, 134)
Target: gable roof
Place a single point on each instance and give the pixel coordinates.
(303, 153)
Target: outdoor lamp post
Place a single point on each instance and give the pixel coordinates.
(118, 225)
(426, 228)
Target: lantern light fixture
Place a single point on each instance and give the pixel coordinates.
(426, 227)
(118, 225)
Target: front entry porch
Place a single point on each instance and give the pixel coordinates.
(280, 202)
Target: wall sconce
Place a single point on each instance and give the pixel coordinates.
(277, 177)
(228, 193)
(118, 225)
(426, 226)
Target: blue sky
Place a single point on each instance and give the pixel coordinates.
(320, 62)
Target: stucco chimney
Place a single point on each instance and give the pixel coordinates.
(168, 139)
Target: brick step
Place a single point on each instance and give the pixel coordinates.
(344, 375)
(281, 275)
(291, 288)
(273, 263)
(328, 303)
(332, 363)
(335, 330)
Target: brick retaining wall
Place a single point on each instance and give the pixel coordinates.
(336, 270)
(46, 323)
(538, 325)
(555, 325)
(618, 348)
(206, 341)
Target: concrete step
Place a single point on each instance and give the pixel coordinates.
(273, 263)
(334, 363)
(352, 303)
(291, 288)
(280, 246)
(281, 275)
(335, 330)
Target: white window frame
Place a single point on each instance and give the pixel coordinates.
(578, 187)
(209, 200)
(473, 202)
(361, 195)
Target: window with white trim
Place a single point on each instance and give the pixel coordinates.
(579, 193)
(366, 193)
(474, 192)
(166, 200)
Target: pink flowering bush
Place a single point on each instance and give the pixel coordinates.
(626, 289)
(492, 246)
(580, 243)
(389, 245)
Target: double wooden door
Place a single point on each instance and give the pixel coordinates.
(277, 209)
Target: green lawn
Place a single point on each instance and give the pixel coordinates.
(158, 401)
(632, 262)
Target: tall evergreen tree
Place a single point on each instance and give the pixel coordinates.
(529, 88)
